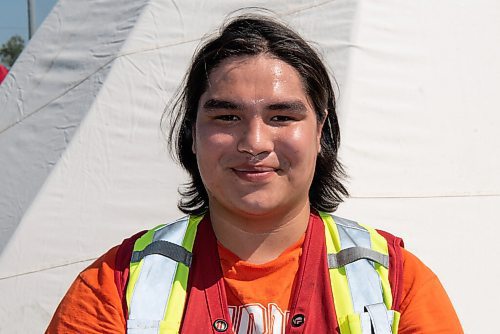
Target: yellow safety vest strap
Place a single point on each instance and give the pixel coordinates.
(358, 261)
(159, 268)
(174, 312)
(357, 256)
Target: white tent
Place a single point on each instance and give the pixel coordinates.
(84, 164)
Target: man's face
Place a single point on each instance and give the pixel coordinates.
(256, 137)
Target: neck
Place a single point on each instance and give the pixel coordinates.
(259, 239)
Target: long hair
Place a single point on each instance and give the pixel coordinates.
(248, 35)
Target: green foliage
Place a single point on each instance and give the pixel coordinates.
(10, 50)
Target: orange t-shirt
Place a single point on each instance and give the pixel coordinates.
(92, 304)
(260, 293)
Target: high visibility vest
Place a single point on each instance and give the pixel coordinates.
(358, 261)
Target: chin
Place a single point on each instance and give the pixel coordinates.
(258, 207)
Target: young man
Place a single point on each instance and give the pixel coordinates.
(255, 126)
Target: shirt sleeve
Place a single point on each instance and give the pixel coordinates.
(92, 303)
(425, 306)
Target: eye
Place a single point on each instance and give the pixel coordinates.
(227, 118)
(282, 118)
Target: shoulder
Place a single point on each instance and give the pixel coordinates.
(95, 301)
(425, 306)
(418, 294)
(92, 303)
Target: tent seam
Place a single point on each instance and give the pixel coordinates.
(48, 268)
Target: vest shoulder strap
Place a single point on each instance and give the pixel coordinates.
(359, 262)
(341, 258)
(158, 276)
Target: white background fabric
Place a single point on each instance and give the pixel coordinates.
(84, 163)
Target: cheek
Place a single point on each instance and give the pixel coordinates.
(212, 140)
(208, 137)
(298, 149)
(212, 146)
(303, 140)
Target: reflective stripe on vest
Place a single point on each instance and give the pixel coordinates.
(358, 265)
(358, 261)
(159, 268)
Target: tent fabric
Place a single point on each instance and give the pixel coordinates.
(84, 161)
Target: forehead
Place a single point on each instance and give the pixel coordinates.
(261, 76)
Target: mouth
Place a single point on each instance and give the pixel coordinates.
(255, 174)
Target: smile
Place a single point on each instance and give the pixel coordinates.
(255, 174)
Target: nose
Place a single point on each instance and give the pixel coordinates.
(255, 137)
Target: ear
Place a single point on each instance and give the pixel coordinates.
(320, 130)
(193, 136)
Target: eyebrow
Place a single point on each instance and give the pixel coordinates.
(297, 106)
(292, 106)
(220, 104)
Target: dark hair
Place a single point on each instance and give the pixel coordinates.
(253, 35)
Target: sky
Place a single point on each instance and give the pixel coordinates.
(14, 17)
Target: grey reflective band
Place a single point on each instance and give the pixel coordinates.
(379, 319)
(352, 254)
(167, 249)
